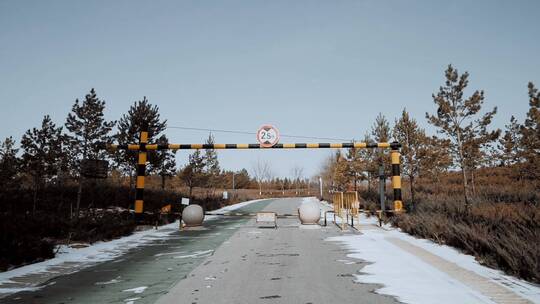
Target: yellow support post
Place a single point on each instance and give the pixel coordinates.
(396, 179)
(141, 173)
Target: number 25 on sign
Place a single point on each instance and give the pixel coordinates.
(268, 136)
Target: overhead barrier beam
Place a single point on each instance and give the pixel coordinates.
(144, 146)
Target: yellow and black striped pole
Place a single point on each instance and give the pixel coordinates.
(141, 172)
(396, 178)
(357, 145)
(143, 147)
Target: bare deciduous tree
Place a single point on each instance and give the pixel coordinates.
(297, 173)
(261, 172)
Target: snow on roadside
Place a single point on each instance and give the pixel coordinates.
(79, 258)
(411, 279)
(310, 199)
(75, 259)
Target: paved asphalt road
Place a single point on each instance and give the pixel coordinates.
(232, 261)
(284, 265)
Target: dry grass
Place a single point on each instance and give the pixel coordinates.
(502, 228)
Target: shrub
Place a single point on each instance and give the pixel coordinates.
(503, 236)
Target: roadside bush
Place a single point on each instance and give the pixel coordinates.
(503, 236)
(21, 242)
(102, 227)
(105, 215)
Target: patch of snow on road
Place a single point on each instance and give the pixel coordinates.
(411, 279)
(140, 289)
(131, 300)
(113, 281)
(168, 253)
(196, 254)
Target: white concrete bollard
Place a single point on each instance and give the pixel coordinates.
(193, 215)
(309, 213)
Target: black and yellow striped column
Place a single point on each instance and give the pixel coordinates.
(396, 178)
(141, 172)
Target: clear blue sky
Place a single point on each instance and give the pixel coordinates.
(316, 68)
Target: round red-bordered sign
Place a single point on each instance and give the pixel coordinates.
(267, 136)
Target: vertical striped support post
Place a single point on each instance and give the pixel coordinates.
(141, 172)
(396, 178)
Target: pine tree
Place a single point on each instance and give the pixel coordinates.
(87, 128)
(530, 133)
(368, 158)
(341, 177)
(381, 133)
(435, 158)
(457, 118)
(413, 142)
(242, 179)
(141, 115)
(43, 152)
(478, 144)
(381, 129)
(193, 173)
(355, 166)
(212, 169)
(9, 164)
(166, 160)
(509, 144)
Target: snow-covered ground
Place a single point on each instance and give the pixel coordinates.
(420, 271)
(69, 260)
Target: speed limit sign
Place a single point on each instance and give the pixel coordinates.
(268, 136)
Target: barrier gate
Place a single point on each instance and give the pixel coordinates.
(143, 147)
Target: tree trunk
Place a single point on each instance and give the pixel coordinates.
(473, 183)
(463, 171)
(37, 187)
(413, 202)
(79, 195)
(62, 192)
(465, 186)
(163, 182)
(35, 199)
(190, 191)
